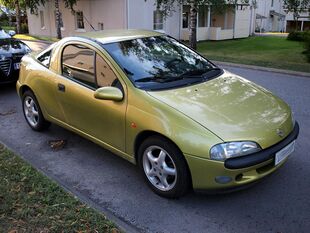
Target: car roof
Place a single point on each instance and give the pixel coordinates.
(110, 36)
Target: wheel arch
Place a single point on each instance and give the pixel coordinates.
(142, 136)
(23, 89)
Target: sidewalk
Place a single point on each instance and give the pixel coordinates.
(279, 34)
(268, 69)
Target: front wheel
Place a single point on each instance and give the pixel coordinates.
(33, 113)
(164, 167)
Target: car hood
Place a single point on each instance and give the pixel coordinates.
(11, 46)
(233, 108)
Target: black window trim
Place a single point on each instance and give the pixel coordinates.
(42, 53)
(72, 79)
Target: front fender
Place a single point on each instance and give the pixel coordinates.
(145, 113)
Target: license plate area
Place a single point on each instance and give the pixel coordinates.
(16, 66)
(284, 153)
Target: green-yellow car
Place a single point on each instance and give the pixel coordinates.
(155, 102)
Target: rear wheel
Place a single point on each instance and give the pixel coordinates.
(33, 113)
(164, 167)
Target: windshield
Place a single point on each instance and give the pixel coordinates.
(4, 35)
(160, 62)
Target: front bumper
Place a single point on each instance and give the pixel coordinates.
(11, 78)
(263, 155)
(239, 171)
(8, 73)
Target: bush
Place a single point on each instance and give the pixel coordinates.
(298, 35)
(307, 46)
(23, 28)
(303, 37)
(295, 36)
(4, 20)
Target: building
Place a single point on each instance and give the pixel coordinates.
(235, 22)
(302, 22)
(270, 16)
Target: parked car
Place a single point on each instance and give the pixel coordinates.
(155, 102)
(11, 52)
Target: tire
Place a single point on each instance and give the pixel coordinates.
(32, 112)
(164, 167)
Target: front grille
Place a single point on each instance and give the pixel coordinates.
(17, 56)
(5, 66)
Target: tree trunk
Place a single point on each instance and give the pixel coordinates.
(10, 20)
(193, 25)
(57, 15)
(295, 16)
(18, 23)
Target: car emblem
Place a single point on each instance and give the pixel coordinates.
(280, 132)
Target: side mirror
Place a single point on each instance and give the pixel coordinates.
(12, 33)
(109, 93)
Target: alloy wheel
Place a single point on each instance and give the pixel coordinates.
(31, 111)
(159, 168)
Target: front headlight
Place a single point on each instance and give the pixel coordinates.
(27, 49)
(293, 118)
(227, 150)
(2, 57)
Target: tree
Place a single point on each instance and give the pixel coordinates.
(18, 22)
(16, 5)
(167, 6)
(33, 6)
(296, 7)
(57, 16)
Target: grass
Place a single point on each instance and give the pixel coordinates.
(274, 52)
(30, 37)
(8, 28)
(31, 202)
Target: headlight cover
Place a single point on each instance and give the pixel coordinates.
(293, 118)
(27, 49)
(223, 151)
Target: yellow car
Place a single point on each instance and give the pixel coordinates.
(155, 102)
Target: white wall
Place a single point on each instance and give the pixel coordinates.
(242, 23)
(140, 14)
(112, 13)
(270, 23)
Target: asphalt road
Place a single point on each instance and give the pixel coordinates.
(280, 203)
(36, 46)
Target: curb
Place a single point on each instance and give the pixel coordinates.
(260, 68)
(123, 225)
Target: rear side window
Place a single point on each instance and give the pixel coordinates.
(78, 64)
(45, 58)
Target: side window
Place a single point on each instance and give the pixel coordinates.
(78, 64)
(45, 58)
(105, 75)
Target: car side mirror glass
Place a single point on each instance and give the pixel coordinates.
(109, 93)
(12, 33)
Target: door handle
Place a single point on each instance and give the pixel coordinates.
(61, 87)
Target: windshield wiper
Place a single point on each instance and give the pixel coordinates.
(192, 74)
(198, 73)
(152, 79)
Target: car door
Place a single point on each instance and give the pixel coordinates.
(83, 71)
(44, 86)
